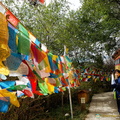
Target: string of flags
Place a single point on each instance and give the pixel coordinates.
(24, 56)
(88, 74)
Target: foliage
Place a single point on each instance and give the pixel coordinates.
(45, 108)
(51, 107)
(46, 23)
(102, 22)
(98, 24)
(91, 33)
(96, 86)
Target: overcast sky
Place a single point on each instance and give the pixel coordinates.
(74, 4)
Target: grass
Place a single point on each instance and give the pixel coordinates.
(59, 113)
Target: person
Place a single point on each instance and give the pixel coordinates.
(116, 85)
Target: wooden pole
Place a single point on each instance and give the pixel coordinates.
(70, 99)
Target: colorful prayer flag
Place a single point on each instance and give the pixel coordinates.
(23, 40)
(12, 19)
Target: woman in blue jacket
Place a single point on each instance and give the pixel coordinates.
(116, 84)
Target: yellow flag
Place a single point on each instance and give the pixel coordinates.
(13, 98)
(4, 49)
(47, 69)
(50, 87)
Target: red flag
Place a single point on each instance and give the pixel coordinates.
(28, 92)
(42, 1)
(33, 80)
(63, 81)
(12, 19)
(38, 54)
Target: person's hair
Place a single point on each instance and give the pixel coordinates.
(117, 71)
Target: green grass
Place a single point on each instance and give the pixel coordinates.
(59, 113)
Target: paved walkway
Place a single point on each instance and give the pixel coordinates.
(103, 107)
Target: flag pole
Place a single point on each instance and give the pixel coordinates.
(70, 99)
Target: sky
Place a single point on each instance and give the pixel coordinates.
(74, 4)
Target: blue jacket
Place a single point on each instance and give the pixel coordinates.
(117, 84)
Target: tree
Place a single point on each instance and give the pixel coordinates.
(90, 32)
(101, 21)
(46, 23)
(98, 24)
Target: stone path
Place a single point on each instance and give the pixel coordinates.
(103, 107)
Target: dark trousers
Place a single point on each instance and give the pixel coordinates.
(118, 100)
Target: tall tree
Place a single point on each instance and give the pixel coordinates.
(98, 28)
(101, 23)
(90, 32)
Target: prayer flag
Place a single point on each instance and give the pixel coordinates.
(43, 87)
(23, 40)
(68, 61)
(52, 64)
(56, 90)
(44, 74)
(50, 87)
(13, 98)
(52, 81)
(12, 38)
(7, 84)
(4, 105)
(3, 77)
(12, 19)
(14, 61)
(37, 42)
(2, 9)
(32, 38)
(4, 49)
(38, 54)
(63, 81)
(42, 1)
(44, 48)
(28, 92)
(17, 87)
(44, 65)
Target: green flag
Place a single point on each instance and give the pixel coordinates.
(17, 87)
(23, 40)
(43, 86)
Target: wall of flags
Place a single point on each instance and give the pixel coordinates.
(27, 58)
(24, 56)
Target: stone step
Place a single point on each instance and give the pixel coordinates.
(103, 107)
(103, 116)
